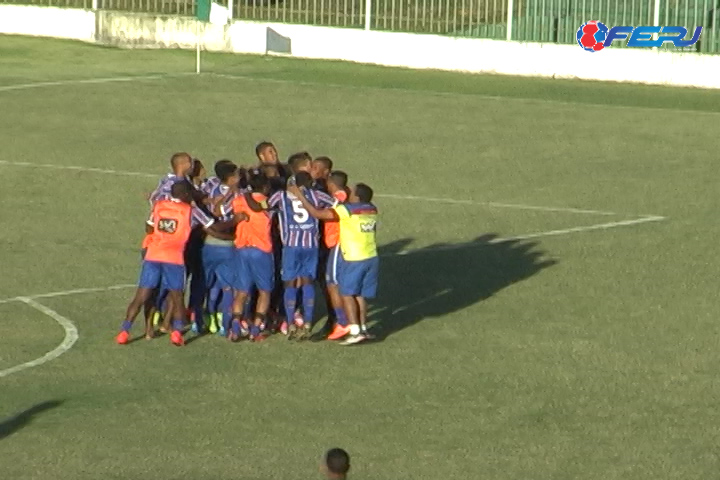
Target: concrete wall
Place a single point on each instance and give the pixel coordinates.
(48, 22)
(151, 31)
(382, 48)
(483, 56)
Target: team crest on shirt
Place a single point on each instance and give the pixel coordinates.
(368, 227)
(168, 225)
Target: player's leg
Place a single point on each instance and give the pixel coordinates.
(163, 308)
(149, 311)
(225, 309)
(263, 275)
(350, 287)
(241, 284)
(277, 310)
(198, 291)
(323, 261)
(150, 275)
(288, 275)
(341, 328)
(368, 290)
(225, 272)
(173, 279)
(210, 261)
(307, 272)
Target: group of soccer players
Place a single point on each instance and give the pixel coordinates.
(252, 245)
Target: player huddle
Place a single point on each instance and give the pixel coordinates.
(253, 244)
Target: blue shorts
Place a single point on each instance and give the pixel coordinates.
(218, 263)
(160, 274)
(359, 278)
(253, 267)
(299, 262)
(332, 266)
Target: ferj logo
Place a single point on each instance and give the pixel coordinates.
(594, 35)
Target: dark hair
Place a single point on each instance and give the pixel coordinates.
(303, 179)
(327, 163)
(243, 177)
(219, 165)
(258, 182)
(337, 461)
(180, 189)
(364, 192)
(225, 171)
(296, 158)
(338, 178)
(197, 166)
(262, 146)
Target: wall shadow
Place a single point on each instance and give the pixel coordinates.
(24, 418)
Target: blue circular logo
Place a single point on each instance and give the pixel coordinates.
(591, 35)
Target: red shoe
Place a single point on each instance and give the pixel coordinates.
(284, 328)
(339, 332)
(122, 338)
(177, 339)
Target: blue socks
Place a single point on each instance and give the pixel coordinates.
(290, 298)
(341, 317)
(178, 325)
(308, 299)
(225, 307)
(126, 326)
(213, 300)
(254, 330)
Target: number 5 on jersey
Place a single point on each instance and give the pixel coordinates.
(300, 215)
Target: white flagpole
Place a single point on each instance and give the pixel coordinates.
(197, 44)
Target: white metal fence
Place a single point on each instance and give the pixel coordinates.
(553, 21)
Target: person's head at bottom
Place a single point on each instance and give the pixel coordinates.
(336, 464)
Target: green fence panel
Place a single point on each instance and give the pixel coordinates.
(549, 21)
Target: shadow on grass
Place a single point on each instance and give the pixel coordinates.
(24, 418)
(440, 279)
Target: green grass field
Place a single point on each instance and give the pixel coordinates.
(586, 354)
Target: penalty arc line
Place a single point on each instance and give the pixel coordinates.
(71, 336)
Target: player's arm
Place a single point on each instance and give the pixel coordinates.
(219, 201)
(254, 205)
(320, 214)
(208, 223)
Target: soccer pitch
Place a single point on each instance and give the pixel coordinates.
(548, 290)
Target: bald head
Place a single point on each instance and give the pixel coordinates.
(181, 164)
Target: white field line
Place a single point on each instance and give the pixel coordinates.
(60, 83)
(437, 248)
(65, 293)
(549, 233)
(496, 204)
(71, 336)
(494, 241)
(380, 195)
(457, 94)
(420, 302)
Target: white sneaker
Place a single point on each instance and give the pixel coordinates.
(353, 339)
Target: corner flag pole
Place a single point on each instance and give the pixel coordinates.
(207, 11)
(197, 46)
